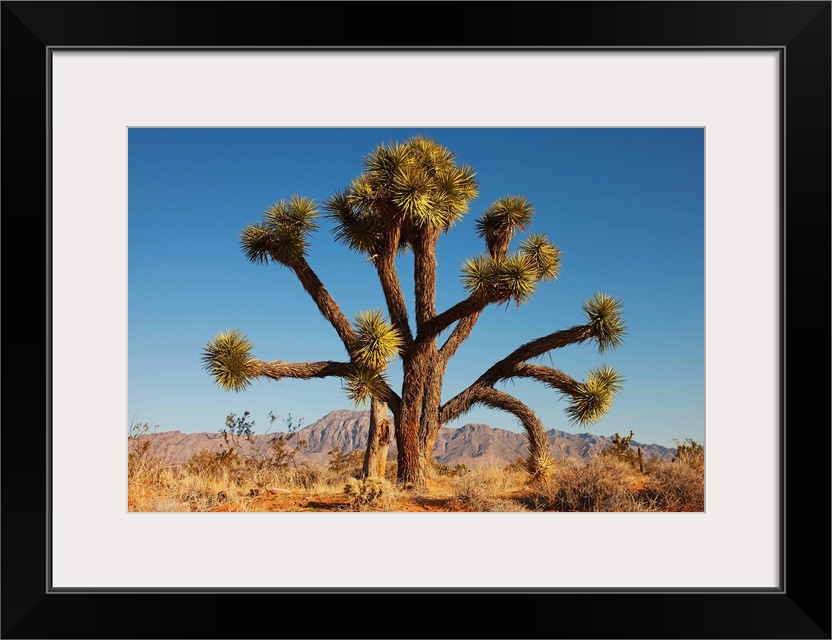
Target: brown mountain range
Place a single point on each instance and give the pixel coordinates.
(474, 445)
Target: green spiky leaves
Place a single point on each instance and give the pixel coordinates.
(357, 227)
(499, 222)
(543, 255)
(417, 181)
(513, 277)
(364, 383)
(377, 340)
(605, 316)
(594, 397)
(540, 466)
(282, 235)
(228, 359)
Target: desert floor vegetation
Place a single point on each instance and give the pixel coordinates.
(268, 480)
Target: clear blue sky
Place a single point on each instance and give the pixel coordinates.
(625, 206)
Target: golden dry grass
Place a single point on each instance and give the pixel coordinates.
(210, 482)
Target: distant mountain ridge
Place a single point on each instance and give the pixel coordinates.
(474, 445)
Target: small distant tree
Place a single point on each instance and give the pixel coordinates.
(408, 195)
(621, 448)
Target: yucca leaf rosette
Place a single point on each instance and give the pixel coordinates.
(513, 277)
(417, 182)
(377, 340)
(605, 316)
(500, 221)
(376, 343)
(357, 229)
(363, 383)
(594, 397)
(540, 466)
(543, 255)
(282, 235)
(228, 359)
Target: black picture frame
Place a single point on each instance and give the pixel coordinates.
(799, 31)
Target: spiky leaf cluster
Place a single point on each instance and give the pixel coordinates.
(605, 315)
(414, 184)
(227, 357)
(363, 383)
(500, 221)
(355, 227)
(377, 340)
(540, 466)
(595, 395)
(282, 235)
(543, 255)
(513, 277)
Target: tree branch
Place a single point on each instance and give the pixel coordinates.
(459, 311)
(508, 368)
(324, 301)
(424, 274)
(277, 370)
(458, 336)
(554, 378)
(391, 286)
(501, 400)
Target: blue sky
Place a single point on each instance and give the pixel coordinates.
(625, 207)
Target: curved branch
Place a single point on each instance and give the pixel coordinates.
(538, 444)
(554, 378)
(535, 348)
(508, 368)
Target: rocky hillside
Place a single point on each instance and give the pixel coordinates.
(474, 445)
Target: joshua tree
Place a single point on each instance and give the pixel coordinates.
(409, 194)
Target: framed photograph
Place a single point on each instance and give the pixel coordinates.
(85, 84)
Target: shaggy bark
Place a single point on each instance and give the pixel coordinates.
(431, 422)
(411, 467)
(276, 370)
(326, 305)
(390, 284)
(378, 441)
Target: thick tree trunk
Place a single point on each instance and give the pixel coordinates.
(378, 442)
(411, 466)
(411, 469)
(429, 426)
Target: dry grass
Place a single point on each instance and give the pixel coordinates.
(228, 482)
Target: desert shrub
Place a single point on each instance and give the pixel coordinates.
(597, 485)
(484, 489)
(227, 465)
(505, 505)
(690, 453)
(439, 470)
(677, 486)
(518, 466)
(377, 493)
(242, 460)
(391, 469)
(349, 465)
(148, 462)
